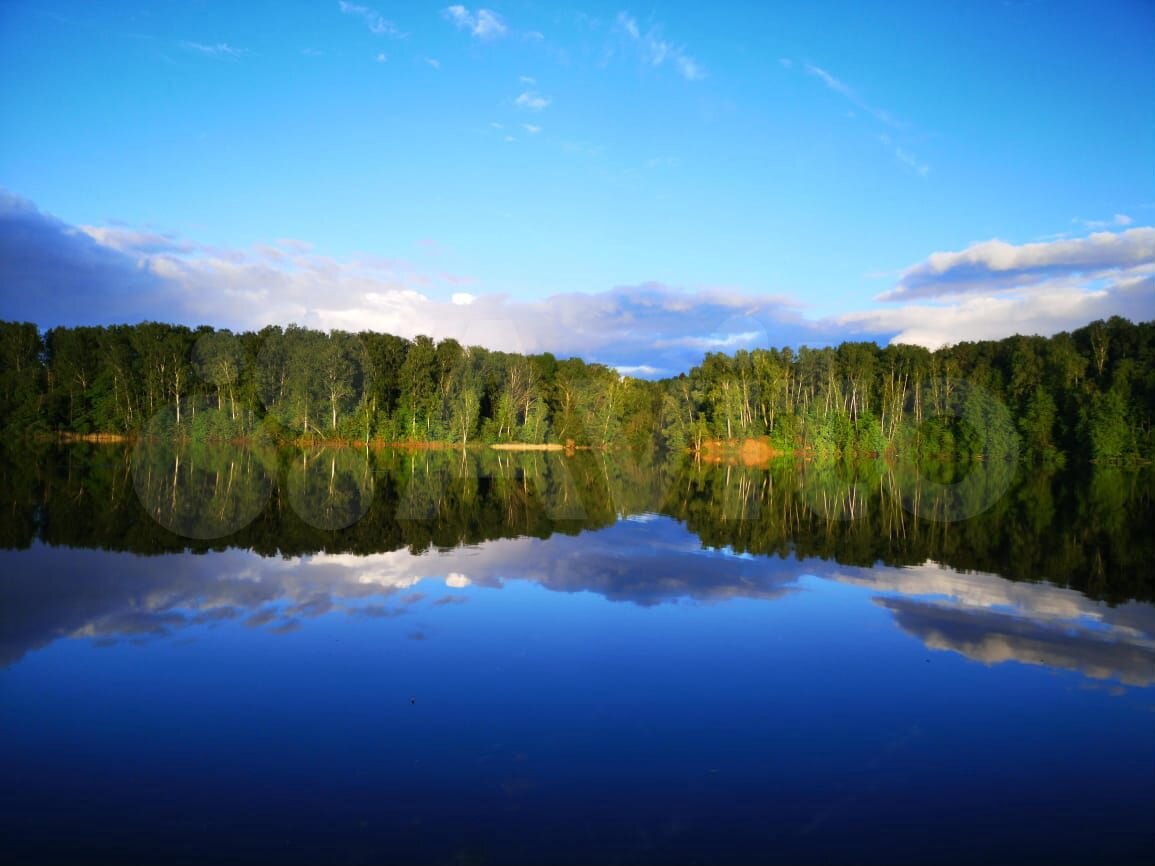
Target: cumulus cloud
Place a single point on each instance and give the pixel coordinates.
(377, 24)
(657, 51)
(59, 274)
(993, 289)
(997, 265)
(99, 275)
(483, 24)
(56, 274)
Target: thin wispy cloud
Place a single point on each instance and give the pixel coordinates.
(901, 152)
(433, 63)
(531, 128)
(1119, 220)
(905, 156)
(219, 49)
(483, 24)
(127, 239)
(657, 51)
(377, 23)
(841, 87)
(531, 100)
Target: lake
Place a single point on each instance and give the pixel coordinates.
(216, 654)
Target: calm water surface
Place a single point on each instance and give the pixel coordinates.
(242, 656)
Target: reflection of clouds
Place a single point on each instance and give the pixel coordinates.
(61, 592)
(992, 620)
(1034, 601)
(50, 593)
(993, 637)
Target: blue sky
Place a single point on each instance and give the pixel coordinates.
(634, 184)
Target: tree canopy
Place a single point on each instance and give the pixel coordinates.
(1089, 392)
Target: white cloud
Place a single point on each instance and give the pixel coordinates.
(690, 68)
(841, 87)
(902, 152)
(643, 370)
(436, 64)
(220, 49)
(656, 51)
(527, 80)
(377, 24)
(629, 24)
(994, 289)
(531, 128)
(905, 157)
(484, 24)
(531, 100)
(131, 240)
(1119, 220)
(61, 274)
(381, 57)
(983, 616)
(997, 265)
(488, 24)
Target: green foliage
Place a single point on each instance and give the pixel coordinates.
(1090, 392)
(1105, 427)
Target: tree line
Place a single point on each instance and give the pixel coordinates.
(1088, 392)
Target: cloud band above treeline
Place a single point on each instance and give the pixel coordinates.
(53, 273)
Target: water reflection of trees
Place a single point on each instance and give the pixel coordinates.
(1089, 530)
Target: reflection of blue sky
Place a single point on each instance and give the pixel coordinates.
(397, 702)
(53, 593)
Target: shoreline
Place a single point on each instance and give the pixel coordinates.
(752, 453)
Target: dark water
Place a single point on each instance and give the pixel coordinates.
(243, 656)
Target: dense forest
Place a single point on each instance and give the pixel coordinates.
(1090, 392)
